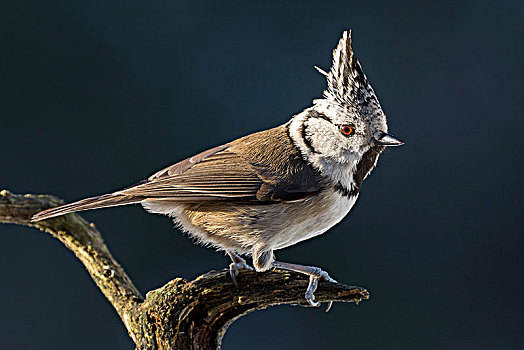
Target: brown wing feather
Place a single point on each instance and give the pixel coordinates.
(263, 167)
(277, 162)
(186, 164)
(252, 168)
(217, 175)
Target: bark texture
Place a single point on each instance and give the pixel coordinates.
(181, 314)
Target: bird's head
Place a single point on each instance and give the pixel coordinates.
(348, 121)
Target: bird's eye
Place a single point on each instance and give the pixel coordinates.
(347, 130)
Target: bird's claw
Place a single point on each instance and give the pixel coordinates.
(311, 288)
(330, 304)
(316, 275)
(234, 269)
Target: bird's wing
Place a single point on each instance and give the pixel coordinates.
(264, 167)
(219, 175)
(229, 173)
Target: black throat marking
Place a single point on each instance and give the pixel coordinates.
(346, 192)
(363, 169)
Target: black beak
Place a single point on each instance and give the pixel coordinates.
(388, 140)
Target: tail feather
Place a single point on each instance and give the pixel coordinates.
(103, 201)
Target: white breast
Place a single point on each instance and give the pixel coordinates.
(315, 217)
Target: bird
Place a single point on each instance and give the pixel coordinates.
(274, 188)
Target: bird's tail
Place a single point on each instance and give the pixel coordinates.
(103, 201)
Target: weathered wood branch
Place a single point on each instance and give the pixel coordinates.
(181, 314)
(85, 241)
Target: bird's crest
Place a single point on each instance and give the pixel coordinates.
(347, 84)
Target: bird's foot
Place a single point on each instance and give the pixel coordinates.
(238, 263)
(315, 275)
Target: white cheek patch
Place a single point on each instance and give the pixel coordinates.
(323, 136)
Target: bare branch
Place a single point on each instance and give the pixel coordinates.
(181, 314)
(211, 303)
(84, 240)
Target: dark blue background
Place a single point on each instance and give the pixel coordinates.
(97, 95)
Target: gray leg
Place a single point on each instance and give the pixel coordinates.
(314, 273)
(238, 263)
